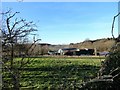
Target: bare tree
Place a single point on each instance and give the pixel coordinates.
(15, 34)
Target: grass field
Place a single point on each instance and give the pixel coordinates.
(58, 73)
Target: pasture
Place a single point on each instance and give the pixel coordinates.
(53, 73)
(59, 73)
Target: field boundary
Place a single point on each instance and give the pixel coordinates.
(63, 56)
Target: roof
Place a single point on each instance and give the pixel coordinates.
(69, 49)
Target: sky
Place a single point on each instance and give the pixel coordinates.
(60, 0)
(68, 22)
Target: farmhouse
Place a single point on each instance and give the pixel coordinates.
(67, 51)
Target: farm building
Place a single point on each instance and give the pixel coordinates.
(67, 51)
(85, 52)
(75, 51)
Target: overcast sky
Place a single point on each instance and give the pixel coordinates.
(68, 22)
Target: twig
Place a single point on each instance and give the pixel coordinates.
(113, 24)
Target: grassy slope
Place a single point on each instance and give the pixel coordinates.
(63, 73)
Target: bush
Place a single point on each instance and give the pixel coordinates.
(109, 74)
(112, 61)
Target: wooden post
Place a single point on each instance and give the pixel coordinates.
(95, 51)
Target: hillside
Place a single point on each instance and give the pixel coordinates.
(100, 44)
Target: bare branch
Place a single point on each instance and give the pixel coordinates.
(113, 24)
(32, 45)
(16, 23)
(4, 13)
(8, 23)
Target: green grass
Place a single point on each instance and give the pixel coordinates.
(58, 73)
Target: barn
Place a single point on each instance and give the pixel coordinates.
(85, 52)
(75, 51)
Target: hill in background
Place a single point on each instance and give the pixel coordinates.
(100, 44)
